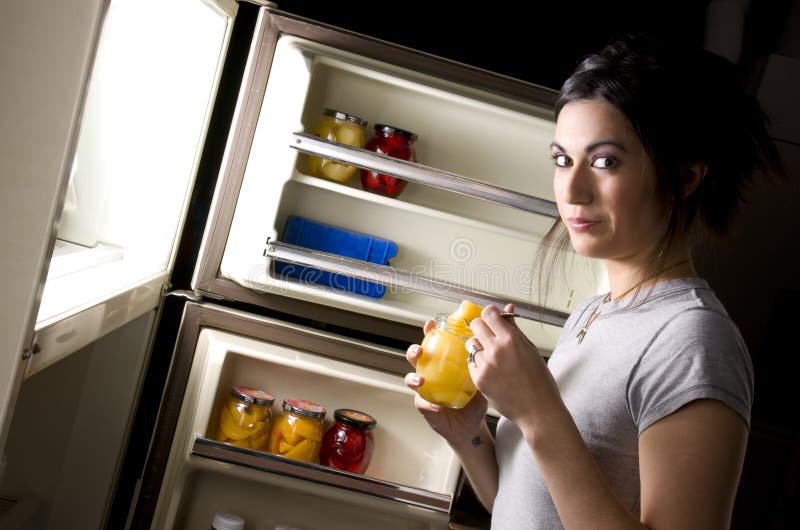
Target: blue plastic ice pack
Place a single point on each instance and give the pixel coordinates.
(307, 233)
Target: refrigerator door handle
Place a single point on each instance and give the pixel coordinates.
(414, 172)
(398, 278)
(194, 296)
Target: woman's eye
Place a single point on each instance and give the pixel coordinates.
(562, 160)
(604, 162)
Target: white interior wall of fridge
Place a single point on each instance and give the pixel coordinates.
(451, 237)
(407, 452)
(266, 501)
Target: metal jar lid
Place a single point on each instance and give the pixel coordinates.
(304, 408)
(395, 130)
(252, 395)
(339, 115)
(355, 418)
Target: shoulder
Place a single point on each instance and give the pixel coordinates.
(692, 313)
(695, 351)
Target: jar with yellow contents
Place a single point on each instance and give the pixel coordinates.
(443, 361)
(297, 431)
(244, 419)
(341, 128)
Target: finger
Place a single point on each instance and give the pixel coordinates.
(509, 308)
(428, 326)
(482, 331)
(423, 405)
(413, 380)
(473, 341)
(412, 354)
(492, 316)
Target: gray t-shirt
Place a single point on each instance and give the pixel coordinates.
(640, 360)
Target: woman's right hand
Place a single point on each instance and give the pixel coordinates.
(455, 425)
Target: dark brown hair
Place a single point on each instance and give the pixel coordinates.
(686, 105)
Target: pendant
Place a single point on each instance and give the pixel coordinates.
(581, 334)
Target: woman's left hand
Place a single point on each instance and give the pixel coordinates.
(509, 370)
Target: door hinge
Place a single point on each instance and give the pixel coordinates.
(33, 350)
(166, 290)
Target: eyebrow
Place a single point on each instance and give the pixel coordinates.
(591, 147)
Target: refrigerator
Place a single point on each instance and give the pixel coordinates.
(214, 310)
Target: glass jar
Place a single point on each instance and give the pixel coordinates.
(348, 443)
(297, 431)
(244, 419)
(394, 142)
(443, 363)
(342, 128)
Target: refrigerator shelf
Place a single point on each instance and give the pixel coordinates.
(422, 174)
(397, 278)
(319, 474)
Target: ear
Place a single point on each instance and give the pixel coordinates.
(693, 174)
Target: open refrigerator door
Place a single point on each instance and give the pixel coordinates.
(467, 226)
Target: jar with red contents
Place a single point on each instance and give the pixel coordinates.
(391, 141)
(348, 443)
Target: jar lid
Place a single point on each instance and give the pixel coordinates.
(345, 116)
(356, 418)
(227, 521)
(304, 408)
(252, 395)
(395, 130)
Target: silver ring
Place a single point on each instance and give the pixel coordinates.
(471, 351)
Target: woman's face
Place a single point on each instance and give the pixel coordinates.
(605, 184)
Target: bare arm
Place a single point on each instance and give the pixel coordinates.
(464, 429)
(476, 452)
(690, 463)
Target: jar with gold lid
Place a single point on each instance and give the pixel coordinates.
(348, 443)
(342, 128)
(297, 430)
(244, 418)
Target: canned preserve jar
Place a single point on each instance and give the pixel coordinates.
(244, 419)
(443, 361)
(297, 431)
(342, 128)
(390, 141)
(348, 443)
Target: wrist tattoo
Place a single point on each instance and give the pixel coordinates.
(476, 441)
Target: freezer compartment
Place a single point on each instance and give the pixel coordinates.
(411, 465)
(493, 137)
(265, 501)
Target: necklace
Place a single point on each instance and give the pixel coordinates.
(607, 298)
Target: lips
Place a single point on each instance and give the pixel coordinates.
(581, 224)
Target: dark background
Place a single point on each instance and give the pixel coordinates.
(541, 42)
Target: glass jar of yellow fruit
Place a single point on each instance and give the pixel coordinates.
(443, 361)
(297, 431)
(341, 128)
(244, 419)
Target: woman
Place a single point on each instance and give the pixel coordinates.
(640, 418)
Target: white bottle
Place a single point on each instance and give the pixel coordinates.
(227, 521)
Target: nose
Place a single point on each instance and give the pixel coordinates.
(574, 185)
